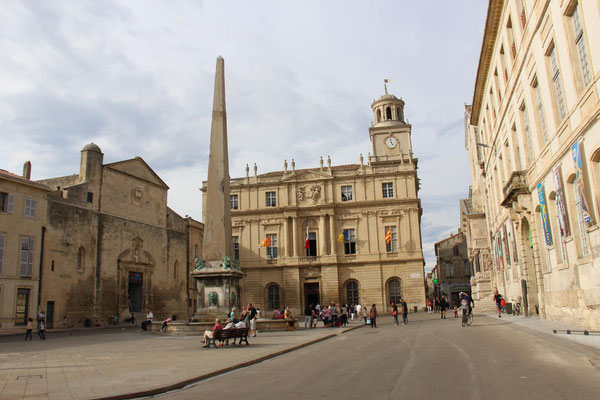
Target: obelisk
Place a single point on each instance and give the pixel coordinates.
(217, 210)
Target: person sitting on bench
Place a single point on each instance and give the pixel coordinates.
(211, 334)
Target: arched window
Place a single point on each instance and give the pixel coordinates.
(80, 258)
(388, 113)
(394, 290)
(273, 297)
(400, 116)
(352, 292)
(378, 116)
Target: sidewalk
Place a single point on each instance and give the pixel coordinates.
(546, 326)
(79, 365)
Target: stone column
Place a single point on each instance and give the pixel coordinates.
(294, 237)
(286, 237)
(332, 234)
(322, 235)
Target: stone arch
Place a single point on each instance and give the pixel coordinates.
(273, 296)
(388, 113)
(352, 292)
(378, 116)
(393, 289)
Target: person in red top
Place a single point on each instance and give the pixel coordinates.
(165, 322)
(211, 334)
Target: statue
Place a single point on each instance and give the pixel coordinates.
(199, 263)
(226, 262)
(213, 299)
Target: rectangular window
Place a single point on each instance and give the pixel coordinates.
(236, 247)
(388, 190)
(311, 250)
(26, 261)
(195, 251)
(271, 199)
(2, 242)
(233, 200)
(349, 241)
(90, 197)
(540, 110)
(527, 134)
(6, 202)
(585, 247)
(272, 249)
(30, 205)
(558, 90)
(346, 193)
(581, 46)
(392, 246)
(516, 148)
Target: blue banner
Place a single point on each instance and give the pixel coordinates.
(576, 152)
(544, 212)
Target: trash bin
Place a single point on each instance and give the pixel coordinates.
(509, 308)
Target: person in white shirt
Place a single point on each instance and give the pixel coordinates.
(358, 311)
(149, 318)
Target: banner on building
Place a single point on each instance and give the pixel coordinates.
(561, 209)
(576, 152)
(513, 241)
(544, 212)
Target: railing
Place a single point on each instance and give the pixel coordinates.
(308, 259)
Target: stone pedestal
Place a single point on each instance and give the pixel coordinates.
(218, 290)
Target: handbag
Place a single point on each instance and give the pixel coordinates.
(368, 321)
(394, 313)
(502, 302)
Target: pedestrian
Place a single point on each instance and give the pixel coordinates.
(115, 319)
(252, 318)
(132, 318)
(352, 311)
(365, 315)
(42, 330)
(443, 307)
(244, 315)
(429, 306)
(42, 316)
(289, 320)
(358, 311)
(455, 311)
(233, 315)
(308, 316)
(334, 315)
(211, 334)
(165, 322)
(373, 316)
(344, 316)
(436, 304)
(395, 313)
(29, 329)
(148, 321)
(315, 318)
(404, 309)
(498, 299)
(258, 314)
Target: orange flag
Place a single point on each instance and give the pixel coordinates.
(388, 236)
(265, 243)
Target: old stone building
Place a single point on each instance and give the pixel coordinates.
(113, 245)
(324, 229)
(22, 220)
(534, 151)
(453, 268)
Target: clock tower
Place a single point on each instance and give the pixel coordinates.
(390, 134)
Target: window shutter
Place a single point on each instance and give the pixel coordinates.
(30, 258)
(2, 239)
(33, 206)
(9, 207)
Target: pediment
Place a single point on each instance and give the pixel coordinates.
(138, 168)
(306, 176)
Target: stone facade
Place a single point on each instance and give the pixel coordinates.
(113, 245)
(534, 149)
(22, 220)
(359, 202)
(453, 267)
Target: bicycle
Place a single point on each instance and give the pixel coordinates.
(517, 309)
(467, 318)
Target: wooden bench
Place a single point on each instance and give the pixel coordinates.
(225, 334)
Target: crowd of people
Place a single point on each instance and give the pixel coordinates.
(441, 305)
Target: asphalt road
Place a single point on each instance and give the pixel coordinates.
(427, 359)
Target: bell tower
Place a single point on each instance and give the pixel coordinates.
(390, 134)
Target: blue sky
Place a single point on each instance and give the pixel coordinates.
(136, 78)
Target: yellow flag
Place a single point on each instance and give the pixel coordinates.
(265, 243)
(341, 238)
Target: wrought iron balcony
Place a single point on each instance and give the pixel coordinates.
(516, 185)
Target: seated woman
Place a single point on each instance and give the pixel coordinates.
(289, 320)
(276, 314)
(211, 334)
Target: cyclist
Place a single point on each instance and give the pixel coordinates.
(466, 302)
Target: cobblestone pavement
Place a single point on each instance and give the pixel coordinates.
(108, 362)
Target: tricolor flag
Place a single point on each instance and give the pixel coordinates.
(388, 236)
(386, 81)
(307, 244)
(265, 243)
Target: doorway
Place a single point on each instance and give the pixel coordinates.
(49, 314)
(136, 280)
(311, 293)
(22, 311)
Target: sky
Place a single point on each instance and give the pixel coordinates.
(137, 78)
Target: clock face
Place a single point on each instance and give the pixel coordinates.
(391, 142)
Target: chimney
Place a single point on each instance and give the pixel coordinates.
(27, 170)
